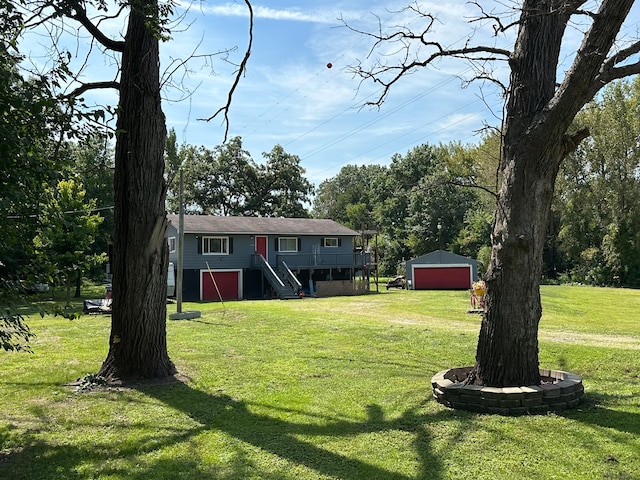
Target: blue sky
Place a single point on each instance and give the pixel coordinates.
(288, 96)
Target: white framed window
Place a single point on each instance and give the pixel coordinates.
(287, 244)
(172, 244)
(215, 245)
(331, 242)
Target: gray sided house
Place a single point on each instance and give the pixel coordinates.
(441, 270)
(232, 258)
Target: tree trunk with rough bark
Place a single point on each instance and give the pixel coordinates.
(538, 117)
(137, 344)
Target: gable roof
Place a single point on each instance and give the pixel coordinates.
(218, 225)
(442, 257)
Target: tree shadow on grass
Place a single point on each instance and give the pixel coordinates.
(35, 459)
(24, 455)
(596, 411)
(282, 438)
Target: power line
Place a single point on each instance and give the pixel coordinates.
(406, 145)
(380, 118)
(68, 212)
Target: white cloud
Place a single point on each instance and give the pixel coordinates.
(238, 9)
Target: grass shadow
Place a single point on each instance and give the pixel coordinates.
(34, 459)
(595, 410)
(282, 438)
(23, 455)
(28, 461)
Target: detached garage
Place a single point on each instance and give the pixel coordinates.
(441, 270)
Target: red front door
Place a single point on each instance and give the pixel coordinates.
(261, 246)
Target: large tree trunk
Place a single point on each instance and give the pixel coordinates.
(137, 346)
(507, 353)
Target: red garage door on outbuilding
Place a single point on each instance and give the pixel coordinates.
(440, 277)
(227, 281)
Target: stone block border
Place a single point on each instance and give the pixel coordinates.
(559, 390)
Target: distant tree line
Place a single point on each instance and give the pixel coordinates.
(433, 197)
(594, 235)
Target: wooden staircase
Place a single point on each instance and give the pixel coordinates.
(284, 282)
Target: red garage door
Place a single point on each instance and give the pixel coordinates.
(228, 283)
(442, 278)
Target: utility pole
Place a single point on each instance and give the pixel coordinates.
(180, 315)
(180, 242)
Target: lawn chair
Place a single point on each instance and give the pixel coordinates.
(98, 305)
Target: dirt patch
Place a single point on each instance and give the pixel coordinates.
(592, 339)
(437, 323)
(92, 383)
(626, 342)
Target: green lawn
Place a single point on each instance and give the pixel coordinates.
(324, 389)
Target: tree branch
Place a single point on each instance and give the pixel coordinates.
(241, 70)
(375, 74)
(499, 26)
(571, 142)
(610, 72)
(473, 184)
(590, 59)
(80, 15)
(387, 75)
(93, 86)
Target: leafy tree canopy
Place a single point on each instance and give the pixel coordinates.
(67, 229)
(598, 200)
(227, 181)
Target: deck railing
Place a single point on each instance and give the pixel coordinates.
(324, 260)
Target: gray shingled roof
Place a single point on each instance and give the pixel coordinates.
(260, 225)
